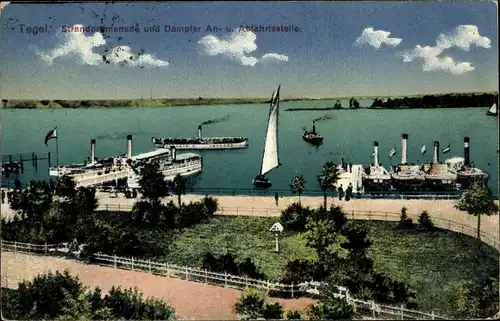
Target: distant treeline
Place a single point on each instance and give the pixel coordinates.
(107, 103)
(438, 101)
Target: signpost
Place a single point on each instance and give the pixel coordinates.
(277, 229)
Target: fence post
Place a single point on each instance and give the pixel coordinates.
(225, 279)
(373, 309)
(132, 264)
(237, 210)
(187, 273)
(115, 262)
(292, 289)
(252, 211)
(353, 214)
(449, 225)
(206, 276)
(246, 281)
(402, 313)
(15, 246)
(386, 216)
(432, 315)
(369, 215)
(149, 261)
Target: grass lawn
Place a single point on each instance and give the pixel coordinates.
(431, 263)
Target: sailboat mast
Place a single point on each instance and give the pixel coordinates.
(270, 159)
(265, 135)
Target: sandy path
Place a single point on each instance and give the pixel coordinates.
(191, 300)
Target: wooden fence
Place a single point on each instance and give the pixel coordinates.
(222, 279)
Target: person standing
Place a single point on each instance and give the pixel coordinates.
(276, 198)
(341, 192)
(3, 196)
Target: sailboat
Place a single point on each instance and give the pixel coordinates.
(493, 111)
(270, 158)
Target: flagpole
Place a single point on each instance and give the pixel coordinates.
(57, 155)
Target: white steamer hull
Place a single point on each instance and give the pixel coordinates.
(205, 146)
(170, 172)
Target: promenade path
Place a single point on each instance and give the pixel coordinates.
(191, 300)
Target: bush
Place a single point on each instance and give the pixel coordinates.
(332, 309)
(405, 222)
(250, 304)
(226, 263)
(425, 223)
(294, 217)
(273, 311)
(293, 315)
(45, 102)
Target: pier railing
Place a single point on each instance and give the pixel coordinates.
(312, 192)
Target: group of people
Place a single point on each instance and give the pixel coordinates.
(347, 194)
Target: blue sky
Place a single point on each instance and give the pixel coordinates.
(342, 49)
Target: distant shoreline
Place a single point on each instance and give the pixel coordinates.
(460, 100)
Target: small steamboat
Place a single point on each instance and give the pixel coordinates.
(312, 137)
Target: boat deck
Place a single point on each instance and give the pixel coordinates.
(355, 178)
(92, 178)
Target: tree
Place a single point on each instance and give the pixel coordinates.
(153, 187)
(323, 233)
(477, 201)
(297, 184)
(355, 104)
(338, 105)
(328, 178)
(178, 185)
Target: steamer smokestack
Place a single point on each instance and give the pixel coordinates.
(404, 146)
(129, 146)
(314, 128)
(375, 151)
(436, 153)
(199, 131)
(92, 150)
(466, 151)
(172, 152)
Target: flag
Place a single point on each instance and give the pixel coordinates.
(50, 135)
(446, 150)
(393, 152)
(423, 150)
(373, 154)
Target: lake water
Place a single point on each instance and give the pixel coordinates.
(348, 134)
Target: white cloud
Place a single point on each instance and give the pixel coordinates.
(274, 57)
(463, 37)
(377, 38)
(237, 46)
(79, 45)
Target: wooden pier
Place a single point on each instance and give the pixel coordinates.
(26, 157)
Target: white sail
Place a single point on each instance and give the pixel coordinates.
(270, 159)
(493, 109)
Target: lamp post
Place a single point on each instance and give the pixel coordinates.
(277, 229)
